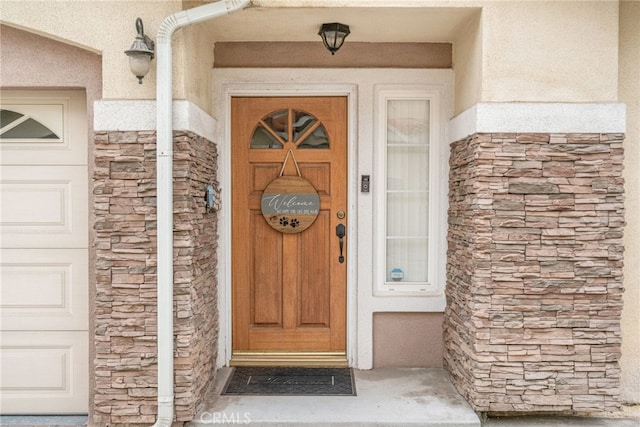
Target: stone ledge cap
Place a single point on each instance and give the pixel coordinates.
(530, 117)
(140, 115)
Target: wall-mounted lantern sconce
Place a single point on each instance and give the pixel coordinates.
(140, 53)
(333, 35)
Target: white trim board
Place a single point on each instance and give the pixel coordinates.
(524, 117)
(140, 115)
(359, 85)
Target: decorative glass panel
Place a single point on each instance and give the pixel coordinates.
(302, 123)
(28, 128)
(278, 122)
(407, 190)
(7, 117)
(306, 131)
(318, 139)
(263, 139)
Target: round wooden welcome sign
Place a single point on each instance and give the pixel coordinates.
(290, 204)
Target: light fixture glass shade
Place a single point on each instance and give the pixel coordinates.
(139, 64)
(333, 35)
(140, 53)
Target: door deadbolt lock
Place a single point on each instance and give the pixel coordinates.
(341, 214)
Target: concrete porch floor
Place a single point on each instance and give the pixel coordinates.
(385, 397)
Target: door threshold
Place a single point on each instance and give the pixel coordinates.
(310, 359)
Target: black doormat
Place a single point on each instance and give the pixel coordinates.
(291, 381)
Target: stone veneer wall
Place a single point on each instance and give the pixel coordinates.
(125, 334)
(534, 272)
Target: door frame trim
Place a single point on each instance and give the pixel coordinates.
(225, 177)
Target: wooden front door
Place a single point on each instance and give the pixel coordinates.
(289, 288)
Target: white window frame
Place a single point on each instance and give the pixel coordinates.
(438, 186)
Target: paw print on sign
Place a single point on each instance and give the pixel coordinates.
(294, 223)
(284, 221)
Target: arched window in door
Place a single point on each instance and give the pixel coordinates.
(296, 127)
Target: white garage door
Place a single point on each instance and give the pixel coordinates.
(44, 252)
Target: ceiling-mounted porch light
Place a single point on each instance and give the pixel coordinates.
(333, 35)
(140, 53)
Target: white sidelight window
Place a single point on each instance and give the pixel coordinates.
(408, 214)
(407, 191)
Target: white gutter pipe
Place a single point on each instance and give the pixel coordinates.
(164, 179)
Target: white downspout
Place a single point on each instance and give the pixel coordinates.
(164, 179)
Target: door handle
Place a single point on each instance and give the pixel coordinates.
(340, 232)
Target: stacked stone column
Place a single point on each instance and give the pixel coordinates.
(125, 336)
(534, 272)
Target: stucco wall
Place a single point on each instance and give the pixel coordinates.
(513, 43)
(538, 51)
(106, 27)
(407, 339)
(545, 51)
(468, 63)
(31, 61)
(196, 50)
(630, 94)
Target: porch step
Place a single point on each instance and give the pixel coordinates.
(386, 397)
